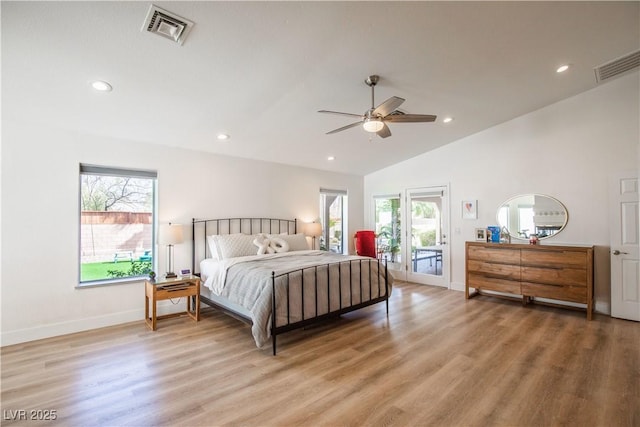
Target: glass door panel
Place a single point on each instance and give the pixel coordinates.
(427, 253)
(388, 230)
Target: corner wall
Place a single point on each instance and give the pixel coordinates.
(40, 214)
(567, 150)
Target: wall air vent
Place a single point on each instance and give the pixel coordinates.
(618, 66)
(166, 24)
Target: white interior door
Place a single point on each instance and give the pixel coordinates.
(426, 250)
(625, 236)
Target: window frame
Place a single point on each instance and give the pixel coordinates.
(391, 251)
(344, 226)
(90, 169)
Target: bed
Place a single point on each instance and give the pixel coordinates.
(262, 272)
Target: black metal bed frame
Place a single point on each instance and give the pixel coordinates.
(274, 225)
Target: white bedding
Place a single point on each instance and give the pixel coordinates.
(214, 272)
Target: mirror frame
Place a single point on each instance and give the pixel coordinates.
(564, 224)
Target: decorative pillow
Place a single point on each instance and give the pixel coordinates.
(235, 245)
(264, 244)
(279, 244)
(297, 242)
(269, 243)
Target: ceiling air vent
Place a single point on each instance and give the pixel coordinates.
(617, 66)
(166, 24)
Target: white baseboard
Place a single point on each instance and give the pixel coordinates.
(72, 326)
(457, 286)
(602, 307)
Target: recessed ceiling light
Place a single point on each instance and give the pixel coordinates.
(101, 86)
(562, 68)
(447, 120)
(223, 136)
(331, 158)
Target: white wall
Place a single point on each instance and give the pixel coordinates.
(567, 150)
(40, 230)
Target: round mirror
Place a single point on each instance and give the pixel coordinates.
(529, 214)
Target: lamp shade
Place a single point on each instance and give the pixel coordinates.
(171, 234)
(313, 229)
(373, 125)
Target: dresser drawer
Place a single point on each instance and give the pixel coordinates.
(494, 254)
(554, 258)
(176, 292)
(565, 293)
(555, 276)
(494, 270)
(479, 281)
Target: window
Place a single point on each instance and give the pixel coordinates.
(333, 216)
(117, 218)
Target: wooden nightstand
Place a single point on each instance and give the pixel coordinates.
(167, 289)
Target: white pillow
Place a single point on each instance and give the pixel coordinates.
(235, 245)
(213, 247)
(297, 242)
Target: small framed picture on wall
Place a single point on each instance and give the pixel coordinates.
(481, 234)
(469, 209)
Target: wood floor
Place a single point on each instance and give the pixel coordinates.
(437, 359)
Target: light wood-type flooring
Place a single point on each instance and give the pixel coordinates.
(437, 359)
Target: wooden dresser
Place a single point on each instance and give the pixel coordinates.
(562, 273)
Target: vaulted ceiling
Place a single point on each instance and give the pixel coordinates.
(259, 71)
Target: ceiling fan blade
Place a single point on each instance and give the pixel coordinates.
(385, 132)
(344, 128)
(410, 118)
(388, 106)
(342, 114)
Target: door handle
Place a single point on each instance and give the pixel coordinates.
(617, 252)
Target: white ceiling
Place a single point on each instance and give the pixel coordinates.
(259, 71)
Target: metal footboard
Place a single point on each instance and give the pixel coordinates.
(360, 287)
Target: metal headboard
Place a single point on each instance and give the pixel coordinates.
(201, 228)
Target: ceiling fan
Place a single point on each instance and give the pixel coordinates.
(375, 119)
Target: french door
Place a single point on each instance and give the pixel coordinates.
(426, 235)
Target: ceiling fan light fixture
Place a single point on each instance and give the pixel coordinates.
(373, 125)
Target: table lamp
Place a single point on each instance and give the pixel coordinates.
(314, 229)
(170, 235)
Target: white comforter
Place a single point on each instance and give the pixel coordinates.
(247, 281)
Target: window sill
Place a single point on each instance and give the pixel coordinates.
(111, 282)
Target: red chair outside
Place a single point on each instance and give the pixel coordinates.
(365, 242)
